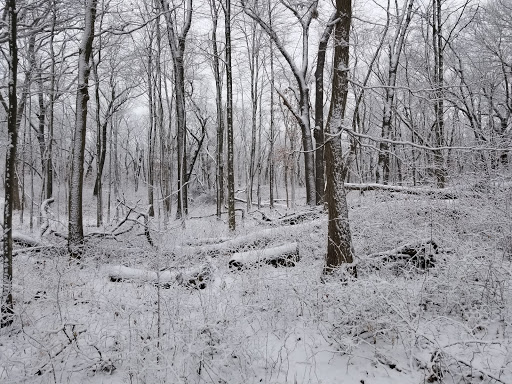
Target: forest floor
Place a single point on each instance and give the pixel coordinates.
(394, 323)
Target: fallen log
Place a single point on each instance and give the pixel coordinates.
(253, 240)
(194, 277)
(283, 256)
(206, 241)
(442, 193)
(300, 217)
(24, 240)
(420, 254)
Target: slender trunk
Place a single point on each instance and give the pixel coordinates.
(382, 173)
(229, 118)
(319, 112)
(220, 120)
(439, 167)
(51, 105)
(177, 46)
(7, 308)
(151, 133)
(75, 228)
(271, 169)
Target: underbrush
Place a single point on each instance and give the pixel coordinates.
(393, 324)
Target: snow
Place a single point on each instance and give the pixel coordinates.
(275, 325)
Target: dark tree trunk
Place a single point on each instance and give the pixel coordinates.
(177, 47)
(229, 118)
(7, 309)
(438, 45)
(75, 229)
(319, 112)
(339, 242)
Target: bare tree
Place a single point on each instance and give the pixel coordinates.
(7, 310)
(75, 228)
(339, 242)
(319, 111)
(395, 49)
(303, 115)
(177, 40)
(229, 117)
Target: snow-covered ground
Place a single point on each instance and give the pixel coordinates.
(393, 324)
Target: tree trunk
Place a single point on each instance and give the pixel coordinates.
(229, 118)
(302, 115)
(7, 309)
(339, 242)
(437, 36)
(383, 166)
(75, 228)
(177, 47)
(319, 112)
(220, 120)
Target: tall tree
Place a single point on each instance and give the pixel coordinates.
(177, 40)
(214, 8)
(339, 241)
(395, 49)
(319, 111)
(229, 118)
(300, 73)
(7, 310)
(75, 227)
(438, 45)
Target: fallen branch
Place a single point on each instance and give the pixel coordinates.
(195, 277)
(442, 193)
(253, 240)
(419, 254)
(207, 241)
(285, 255)
(25, 240)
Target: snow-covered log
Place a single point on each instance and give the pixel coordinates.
(253, 240)
(292, 219)
(285, 255)
(420, 254)
(24, 240)
(195, 277)
(442, 193)
(206, 241)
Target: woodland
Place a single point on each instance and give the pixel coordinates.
(256, 191)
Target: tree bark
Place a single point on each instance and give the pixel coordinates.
(75, 228)
(319, 112)
(302, 115)
(177, 46)
(220, 119)
(438, 45)
(339, 242)
(229, 118)
(7, 309)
